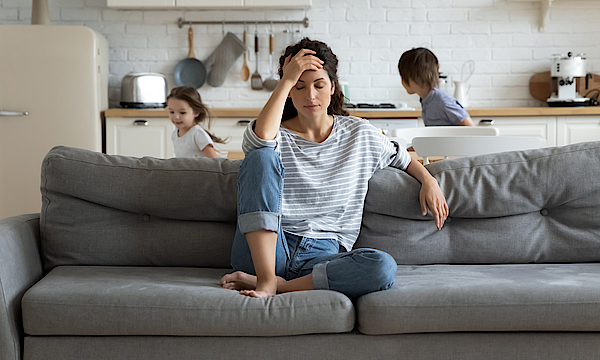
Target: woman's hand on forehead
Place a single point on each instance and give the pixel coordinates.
(303, 60)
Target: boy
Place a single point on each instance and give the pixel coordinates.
(419, 70)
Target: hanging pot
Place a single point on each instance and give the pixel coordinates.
(190, 71)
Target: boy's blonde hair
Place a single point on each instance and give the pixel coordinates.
(421, 66)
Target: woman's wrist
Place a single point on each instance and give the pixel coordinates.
(286, 84)
(419, 172)
(430, 180)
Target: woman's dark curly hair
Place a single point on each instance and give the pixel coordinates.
(330, 64)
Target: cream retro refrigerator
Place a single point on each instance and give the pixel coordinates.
(53, 87)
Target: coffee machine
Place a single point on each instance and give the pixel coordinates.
(565, 69)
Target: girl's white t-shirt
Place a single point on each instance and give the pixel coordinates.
(192, 143)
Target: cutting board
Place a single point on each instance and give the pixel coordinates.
(541, 85)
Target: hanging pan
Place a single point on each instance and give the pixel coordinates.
(190, 71)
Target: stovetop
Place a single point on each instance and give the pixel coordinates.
(381, 106)
(369, 106)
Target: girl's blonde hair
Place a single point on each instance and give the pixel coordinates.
(192, 97)
(421, 66)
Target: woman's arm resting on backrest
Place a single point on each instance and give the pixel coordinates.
(431, 196)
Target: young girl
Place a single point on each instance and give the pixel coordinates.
(186, 112)
(302, 186)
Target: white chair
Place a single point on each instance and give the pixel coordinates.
(470, 145)
(409, 133)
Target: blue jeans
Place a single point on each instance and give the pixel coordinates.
(260, 191)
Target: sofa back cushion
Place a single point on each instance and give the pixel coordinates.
(514, 207)
(99, 209)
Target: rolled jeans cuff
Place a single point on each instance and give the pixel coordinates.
(319, 276)
(260, 220)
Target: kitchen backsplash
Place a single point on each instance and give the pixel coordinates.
(368, 36)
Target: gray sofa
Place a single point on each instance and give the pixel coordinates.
(124, 262)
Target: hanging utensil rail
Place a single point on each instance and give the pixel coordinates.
(181, 22)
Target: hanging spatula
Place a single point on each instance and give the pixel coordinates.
(256, 80)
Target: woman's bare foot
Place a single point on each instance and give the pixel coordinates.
(264, 288)
(238, 280)
(246, 284)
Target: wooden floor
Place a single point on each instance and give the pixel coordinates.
(235, 155)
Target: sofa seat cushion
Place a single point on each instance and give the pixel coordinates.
(520, 297)
(98, 300)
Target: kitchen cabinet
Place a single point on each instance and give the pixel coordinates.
(152, 136)
(543, 127)
(554, 126)
(139, 137)
(210, 3)
(141, 3)
(232, 128)
(552, 130)
(220, 4)
(576, 129)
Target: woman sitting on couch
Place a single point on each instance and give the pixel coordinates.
(302, 186)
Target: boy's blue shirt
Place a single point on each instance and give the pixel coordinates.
(440, 109)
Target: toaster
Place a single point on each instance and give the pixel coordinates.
(144, 90)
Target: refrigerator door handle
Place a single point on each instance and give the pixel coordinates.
(13, 113)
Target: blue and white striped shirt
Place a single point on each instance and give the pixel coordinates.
(325, 183)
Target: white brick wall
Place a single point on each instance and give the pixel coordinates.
(368, 36)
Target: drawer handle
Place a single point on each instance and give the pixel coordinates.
(243, 123)
(485, 122)
(140, 123)
(13, 113)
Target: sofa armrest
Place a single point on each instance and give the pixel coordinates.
(20, 268)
